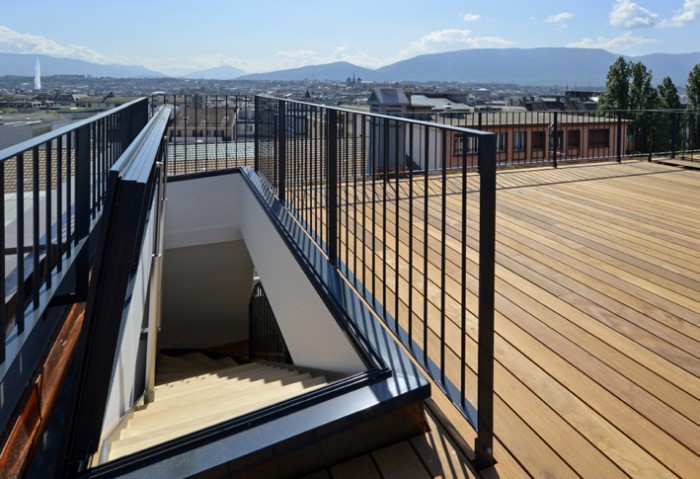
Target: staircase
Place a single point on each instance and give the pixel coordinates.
(194, 391)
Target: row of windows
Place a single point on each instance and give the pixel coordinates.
(599, 138)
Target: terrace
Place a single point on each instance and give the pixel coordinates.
(561, 325)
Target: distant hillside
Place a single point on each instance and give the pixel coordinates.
(23, 65)
(534, 66)
(337, 71)
(572, 67)
(223, 72)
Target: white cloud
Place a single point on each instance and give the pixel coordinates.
(471, 17)
(451, 39)
(623, 42)
(628, 14)
(558, 18)
(15, 42)
(689, 13)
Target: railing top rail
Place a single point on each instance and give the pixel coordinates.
(146, 145)
(411, 121)
(14, 150)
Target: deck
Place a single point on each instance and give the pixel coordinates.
(597, 308)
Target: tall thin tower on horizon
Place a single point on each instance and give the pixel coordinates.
(37, 76)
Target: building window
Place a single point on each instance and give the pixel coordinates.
(459, 145)
(501, 142)
(599, 138)
(573, 139)
(538, 140)
(519, 141)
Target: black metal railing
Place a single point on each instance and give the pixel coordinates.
(208, 132)
(132, 202)
(216, 131)
(53, 190)
(265, 338)
(389, 205)
(550, 138)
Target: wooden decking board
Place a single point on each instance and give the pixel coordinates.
(603, 230)
(601, 329)
(672, 328)
(599, 255)
(436, 254)
(579, 266)
(577, 324)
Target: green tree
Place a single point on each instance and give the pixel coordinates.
(693, 88)
(668, 95)
(642, 95)
(617, 91)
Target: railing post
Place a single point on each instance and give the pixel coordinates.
(282, 165)
(487, 253)
(256, 135)
(674, 133)
(619, 137)
(649, 137)
(82, 208)
(555, 137)
(332, 185)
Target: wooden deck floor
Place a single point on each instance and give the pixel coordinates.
(597, 309)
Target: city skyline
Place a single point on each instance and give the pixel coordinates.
(176, 37)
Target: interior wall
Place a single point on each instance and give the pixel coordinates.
(206, 289)
(207, 271)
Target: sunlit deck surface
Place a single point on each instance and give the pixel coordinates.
(597, 310)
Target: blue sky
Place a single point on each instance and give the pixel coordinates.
(260, 35)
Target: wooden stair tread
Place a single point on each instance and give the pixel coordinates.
(200, 359)
(212, 387)
(189, 405)
(177, 362)
(171, 430)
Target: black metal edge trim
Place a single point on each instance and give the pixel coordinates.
(236, 425)
(203, 174)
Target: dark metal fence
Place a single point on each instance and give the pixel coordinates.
(208, 132)
(266, 340)
(386, 199)
(550, 138)
(53, 189)
(134, 200)
(216, 131)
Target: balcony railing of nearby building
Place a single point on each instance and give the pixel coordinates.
(358, 184)
(53, 188)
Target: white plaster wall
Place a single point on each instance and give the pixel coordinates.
(128, 370)
(312, 335)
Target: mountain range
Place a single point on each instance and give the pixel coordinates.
(23, 65)
(573, 67)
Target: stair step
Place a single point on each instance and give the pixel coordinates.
(211, 386)
(165, 360)
(181, 423)
(201, 360)
(226, 361)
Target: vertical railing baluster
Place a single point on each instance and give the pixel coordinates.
(3, 279)
(619, 137)
(426, 222)
(36, 237)
(21, 290)
(282, 138)
(59, 201)
(487, 253)
(443, 256)
(82, 206)
(48, 220)
(332, 186)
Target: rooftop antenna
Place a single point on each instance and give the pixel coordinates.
(37, 75)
